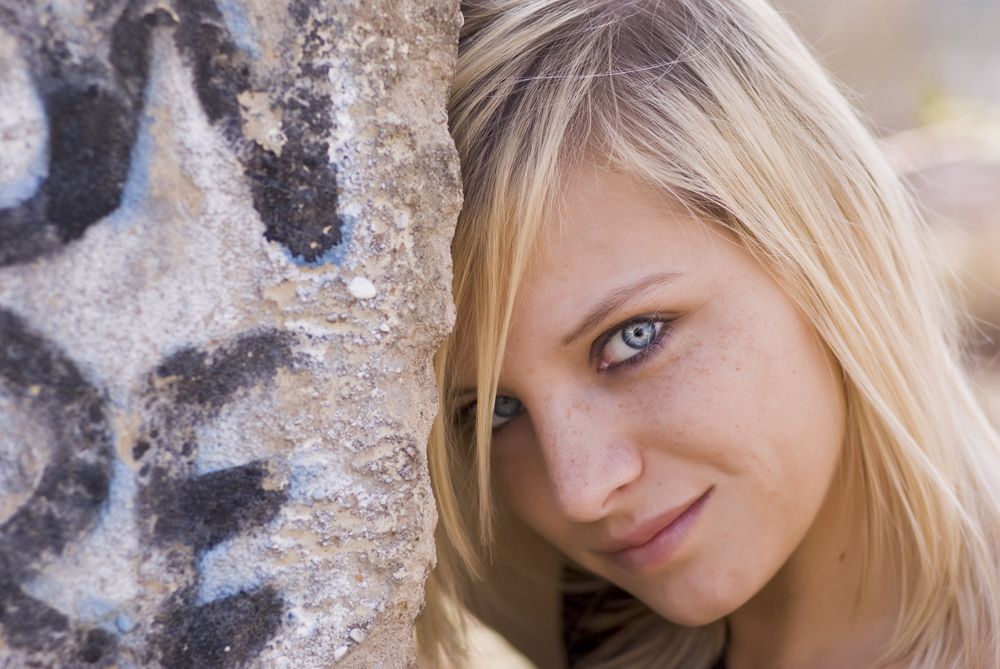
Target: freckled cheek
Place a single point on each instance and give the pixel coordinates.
(519, 470)
(703, 404)
(779, 418)
(734, 431)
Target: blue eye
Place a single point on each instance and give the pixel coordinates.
(504, 409)
(640, 335)
(630, 341)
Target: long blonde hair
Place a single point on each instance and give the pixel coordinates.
(718, 104)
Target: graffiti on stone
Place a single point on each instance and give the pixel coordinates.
(93, 107)
(181, 513)
(294, 186)
(184, 514)
(93, 117)
(209, 437)
(46, 387)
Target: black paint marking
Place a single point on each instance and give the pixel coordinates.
(73, 487)
(27, 622)
(93, 119)
(221, 634)
(294, 193)
(93, 107)
(93, 113)
(194, 377)
(185, 515)
(74, 484)
(221, 70)
(95, 645)
(204, 511)
(192, 513)
(140, 449)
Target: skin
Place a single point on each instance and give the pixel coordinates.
(733, 418)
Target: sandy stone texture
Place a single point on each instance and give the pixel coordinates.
(224, 271)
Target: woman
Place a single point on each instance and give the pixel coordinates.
(702, 405)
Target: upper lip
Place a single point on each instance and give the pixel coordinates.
(639, 533)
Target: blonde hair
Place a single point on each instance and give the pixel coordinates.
(719, 105)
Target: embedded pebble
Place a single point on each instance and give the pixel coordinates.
(362, 288)
(357, 634)
(339, 654)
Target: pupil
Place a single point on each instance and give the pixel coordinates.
(639, 336)
(506, 406)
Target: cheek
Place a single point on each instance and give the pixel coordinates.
(519, 471)
(756, 409)
(754, 392)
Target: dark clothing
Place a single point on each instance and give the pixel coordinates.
(579, 603)
(578, 608)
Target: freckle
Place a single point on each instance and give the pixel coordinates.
(842, 556)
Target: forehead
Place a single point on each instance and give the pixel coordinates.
(610, 229)
(607, 233)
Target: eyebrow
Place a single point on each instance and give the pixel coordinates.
(615, 299)
(612, 301)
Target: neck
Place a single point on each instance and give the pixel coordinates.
(813, 612)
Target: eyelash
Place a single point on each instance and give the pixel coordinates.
(466, 416)
(661, 337)
(468, 412)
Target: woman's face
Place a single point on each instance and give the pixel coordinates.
(667, 418)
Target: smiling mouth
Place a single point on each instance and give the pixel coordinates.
(652, 544)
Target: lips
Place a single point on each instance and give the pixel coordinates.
(650, 544)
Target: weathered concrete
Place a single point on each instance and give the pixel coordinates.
(224, 269)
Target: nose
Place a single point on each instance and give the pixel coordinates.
(590, 453)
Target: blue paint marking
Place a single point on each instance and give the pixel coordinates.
(336, 254)
(242, 31)
(137, 185)
(92, 608)
(222, 577)
(16, 192)
(26, 185)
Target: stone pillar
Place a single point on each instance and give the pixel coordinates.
(224, 270)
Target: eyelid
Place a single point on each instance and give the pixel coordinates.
(667, 320)
(605, 337)
(465, 412)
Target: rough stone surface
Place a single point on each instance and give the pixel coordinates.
(224, 269)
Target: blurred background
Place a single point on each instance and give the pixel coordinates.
(927, 75)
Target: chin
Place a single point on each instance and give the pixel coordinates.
(692, 616)
(700, 602)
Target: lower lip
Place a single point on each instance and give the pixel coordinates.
(657, 551)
